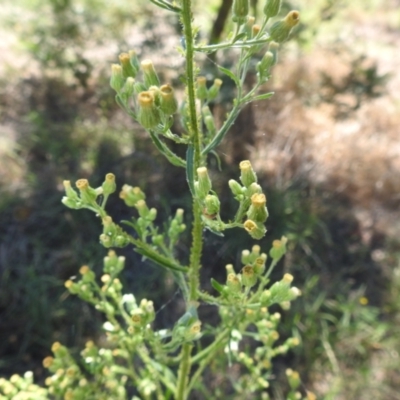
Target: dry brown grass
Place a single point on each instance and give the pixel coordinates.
(332, 125)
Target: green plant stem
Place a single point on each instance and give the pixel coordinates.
(196, 141)
(184, 369)
(212, 347)
(228, 45)
(227, 124)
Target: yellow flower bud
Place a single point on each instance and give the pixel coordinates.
(148, 115)
(168, 103)
(150, 77)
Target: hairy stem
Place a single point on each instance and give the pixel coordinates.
(197, 242)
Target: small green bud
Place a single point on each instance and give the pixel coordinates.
(71, 193)
(214, 89)
(236, 188)
(127, 69)
(149, 115)
(264, 66)
(265, 296)
(254, 188)
(72, 286)
(109, 185)
(255, 250)
(137, 317)
(246, 258)
(120, 241)
(155, 91)
(247, 174)
(247, 27)
(294, 292)
(203, 184)
(87, 274)
(201, 88)
(105, 240)
(128, 90)
(249, 278)
(142, 208)
(109, 227)
(280, 291)
(134, 60)
(147, 306)
(150, 77)
(59, 350)
(255, 30)
(285, 305)
(158, 240)
(193, 332)
(210, 125)
(139, 87)
(74, 204)
(229, 269)
(258, 211)
(240, 10)
(293, 378)
(278, 248)
(152, 215)
(259, 265)
(273, 48)
(120, 263)
(206, 112)
(280, 30)
(117, 79)
(272, 8)
(212, 204)
(255, 229)
(168, 103)
(131, 195)
(88, 194)
(110, 261)
(233, 283)
(179, 215)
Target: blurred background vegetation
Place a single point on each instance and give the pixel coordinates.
(326, 147)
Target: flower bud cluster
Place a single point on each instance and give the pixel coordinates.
(113, 235)
(131, 195)
(86, 197)
(140, 316)
(255, 259)
(204, 94)
(69, 381)
(154, 103)
(280, 292)
(176, 227)
(269, 59)
(21, 387)
(134, 197)
(278, 249)
(186, 329)
(236, 285)
(252, 200)
(210, 202)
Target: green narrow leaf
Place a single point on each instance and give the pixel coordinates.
(262, 96)
(189, 169)
(217, 286)
(215, 154)
(159, 259)
(240, 36)
(230, 74)
(171, 156)
(214, 231)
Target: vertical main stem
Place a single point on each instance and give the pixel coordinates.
(197, 239)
